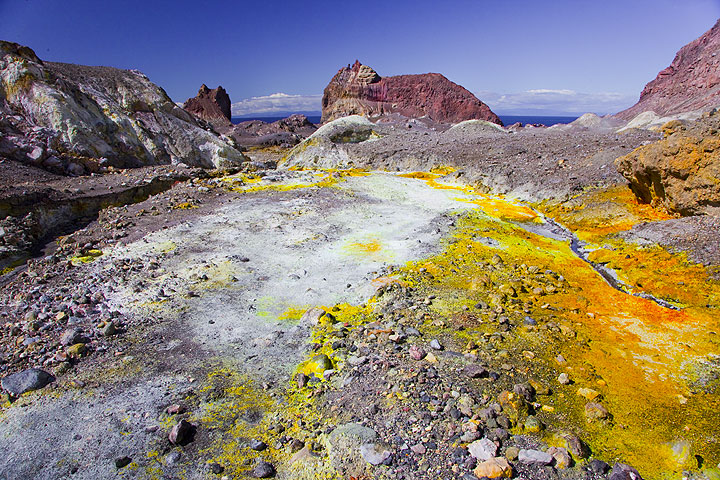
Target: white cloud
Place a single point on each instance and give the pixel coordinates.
(556, 102)
(276, 102)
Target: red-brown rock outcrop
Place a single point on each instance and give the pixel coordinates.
(358, 89)
(691, 82)
(210, 105)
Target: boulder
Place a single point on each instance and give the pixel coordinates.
(622, 471)
(26, 381)
(493, 468)
(476, 128)
(323, 148)
(181, 433)
(358, 90)
(83, 118)
(535, 457)
(483, 449)
(691, 82)
(351, 447)
(679, 172)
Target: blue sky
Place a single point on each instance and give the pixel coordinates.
(521, 56)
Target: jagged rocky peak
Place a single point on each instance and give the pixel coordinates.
(362, 74)
(691, 82)
(211, 105)
(76, 119)
(358, 90)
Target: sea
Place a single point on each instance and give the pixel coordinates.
(506, 119)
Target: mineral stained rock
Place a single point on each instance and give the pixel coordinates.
(75, 119)
(691, 82)
(679, 172)
(358, 89)
(210, 105)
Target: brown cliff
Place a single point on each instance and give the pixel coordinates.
(358, 89)
(691, 82)
(210, 105)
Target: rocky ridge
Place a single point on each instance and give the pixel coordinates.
(210, 105)
(690, 83)
(358, 89)
(77, 119)
(285, 132)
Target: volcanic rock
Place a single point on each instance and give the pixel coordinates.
(181, 433)
(77, 119)
(358, 89)
(691, 82)
(680, 171)
(210, 105)
(287, 131)
(27, 380)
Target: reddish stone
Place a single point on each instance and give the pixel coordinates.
(691, 82)
(211, 105)
(358, 89)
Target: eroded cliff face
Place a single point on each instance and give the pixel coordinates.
(212, 105)
(691, 82)
(75, 119)
(680, 172)
(359, 90)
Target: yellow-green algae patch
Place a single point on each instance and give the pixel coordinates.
(87, 257)
(184, 206)
(602, 211)
(632, 350)
(340, 316)
(235, 410)
(293, 313)
(243, 183)
(493, 205)
(369, 246)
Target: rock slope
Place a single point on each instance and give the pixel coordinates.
(681, 171)
(691, 82)
(358, 89)
(75, 119)
(210, 105)
(532, 164)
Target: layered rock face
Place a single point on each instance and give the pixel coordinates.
(210, 105)
(691, 82)
(75, 119)
(681, 171)
(359, 90)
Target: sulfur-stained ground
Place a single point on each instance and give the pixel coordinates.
(208, 305)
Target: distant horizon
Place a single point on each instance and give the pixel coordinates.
(318, 113)
(315, 117)
(527, 113)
